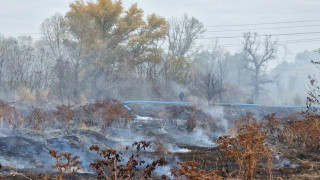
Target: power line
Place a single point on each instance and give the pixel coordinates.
(289, 34)
(302, 40)
(290, 41)
(23, 33)
(256, 24)
(293, 69)
(284, 27)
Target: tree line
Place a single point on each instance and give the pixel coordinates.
(99, 49)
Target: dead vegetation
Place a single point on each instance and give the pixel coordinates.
(106, 112)
(115, 166)
(66, 163)
(9, 116)
(192, 116)
(248, 148)
(303, 134)
(102, 113)
(38, 119)
(247, 153)
(192, 170)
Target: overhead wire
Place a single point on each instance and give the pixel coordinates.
(267, 23)
(285, 34)
(254, 29)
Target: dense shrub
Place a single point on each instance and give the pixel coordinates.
(107, 112)
(303, 134)
(248, 148)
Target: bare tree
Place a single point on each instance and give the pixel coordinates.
(76, 55)
(218, 59)
(207, 84)
(211, 71)
(183, 33)
(54, 31)
(258, 53)
(40, 70)
(4, 53)
(313, 96)
(21, 55)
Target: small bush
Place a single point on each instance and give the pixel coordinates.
(249, 146)
(303, 134)
(64, 113)
(107, 112)
(37, 119)
(9, 115)
(191, 123)
(66, 163)
(113, 166)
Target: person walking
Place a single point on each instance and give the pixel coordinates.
(181, 96)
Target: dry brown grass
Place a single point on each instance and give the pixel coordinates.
(107, 111)
(191, 170)
(248, 148)
(303, 134)
(9, 116)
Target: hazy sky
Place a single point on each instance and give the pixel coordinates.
(25, 16)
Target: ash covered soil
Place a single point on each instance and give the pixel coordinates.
(24, 151)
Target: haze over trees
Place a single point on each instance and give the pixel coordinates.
(99, 49)
(258, 53)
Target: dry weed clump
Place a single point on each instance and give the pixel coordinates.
(113, 166)
(107, 112)
(64, 113)
(159, 148)
(191, 123)
(248, 148)
(192, 170)
(102, 113)
(66, 163)
(303, 134)
(271, 124)
(38, 119)
(193, 117)
(173, 113)
(9, 116)
(25, 94)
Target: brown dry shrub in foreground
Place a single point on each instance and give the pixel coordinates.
(113, 166)
(248, 148)
(303, 134)
(9, 115)
(66, 163)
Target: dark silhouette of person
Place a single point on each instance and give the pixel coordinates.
(181, 96)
